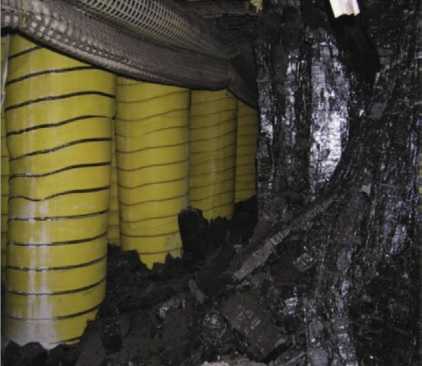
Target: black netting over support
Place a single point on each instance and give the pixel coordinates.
(65, 28)
(160, 21)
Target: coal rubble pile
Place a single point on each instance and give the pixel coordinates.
(189, 311)
(193, 311)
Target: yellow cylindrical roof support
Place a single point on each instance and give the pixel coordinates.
(4, 195)
(152, 156)
(113, 233)
(58, 115)
(213, 152)
(4, 167)
(247, 130)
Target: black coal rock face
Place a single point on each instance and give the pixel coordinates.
(354, 216)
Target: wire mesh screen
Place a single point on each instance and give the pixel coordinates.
(157, 21)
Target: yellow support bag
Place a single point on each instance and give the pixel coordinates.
(153, 161)
(247, 130)
(4, 167)
(213, 152)
(113, 234)
(58, 114)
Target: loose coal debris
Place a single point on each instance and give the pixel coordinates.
(189, 311)
(185, 311)
(182, 312)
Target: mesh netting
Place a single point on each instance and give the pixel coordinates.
(63, 27)
(159, 21)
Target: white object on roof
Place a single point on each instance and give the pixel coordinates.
(344, 7)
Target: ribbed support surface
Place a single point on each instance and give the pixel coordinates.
(113, 233)
(213, 152)
(4, 195)
(4, 167)
(152, 157)
(58, 114)
(247, 131)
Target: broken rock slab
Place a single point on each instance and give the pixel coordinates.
(236, 362)
(252, 320)
(92, 351)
